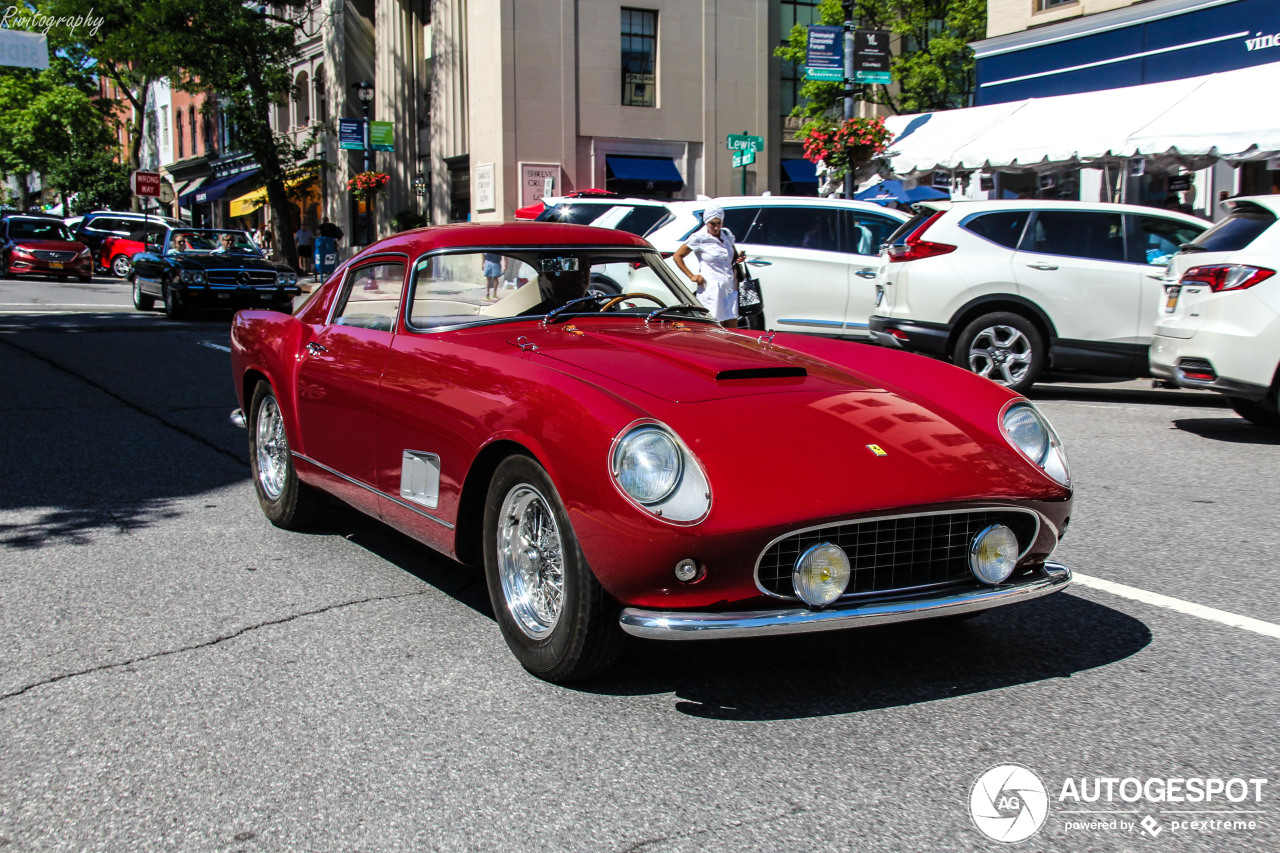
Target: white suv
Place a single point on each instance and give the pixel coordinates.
(815, 258)
(1221, 318)
(1018, 290)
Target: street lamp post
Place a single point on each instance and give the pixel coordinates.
(364, 91)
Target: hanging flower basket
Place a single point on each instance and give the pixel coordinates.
(842, 146)
(366, 185)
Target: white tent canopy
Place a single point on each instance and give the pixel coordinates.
(1192, 121)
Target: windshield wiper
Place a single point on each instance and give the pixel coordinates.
(695, 309)
(556, 312)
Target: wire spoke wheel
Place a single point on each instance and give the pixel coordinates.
(272, 449)
(531, 561)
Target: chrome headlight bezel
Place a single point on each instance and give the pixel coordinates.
(286, 279)
(1031, 434)
(686, 499)
(192, 276)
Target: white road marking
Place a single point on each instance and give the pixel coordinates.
(212, 345)
(1267, 629)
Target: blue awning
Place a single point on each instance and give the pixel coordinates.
(800, 171)
(218, 188)
(660, 172)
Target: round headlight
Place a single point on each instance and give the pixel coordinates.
(993, 554)
(647, 464)
(1027, 430)
(821, 574)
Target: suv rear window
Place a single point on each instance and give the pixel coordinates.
(1003, 227)
(574, 214)
(643, 219)
(1238, 230)
(909, 227)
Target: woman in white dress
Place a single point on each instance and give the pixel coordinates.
(716, 250)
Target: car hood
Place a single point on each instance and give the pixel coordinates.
(50, 245)
(691, 364)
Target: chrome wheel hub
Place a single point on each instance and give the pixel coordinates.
(273, 449)
(1002, 354)
(531, 561)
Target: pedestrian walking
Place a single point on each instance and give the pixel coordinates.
(716, 250)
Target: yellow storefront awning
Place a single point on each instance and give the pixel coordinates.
(249, 202)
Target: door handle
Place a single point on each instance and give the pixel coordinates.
(1043, 266)
(865, 273)
(314, 348)
(757, 262)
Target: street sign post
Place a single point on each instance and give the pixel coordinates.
(744, 148)
(824, 54)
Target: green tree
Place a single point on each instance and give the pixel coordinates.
(933, 70)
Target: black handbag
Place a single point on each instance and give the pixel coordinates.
(750, 302)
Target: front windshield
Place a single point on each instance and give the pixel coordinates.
(37, 229)
(461, 288)
(208, 241)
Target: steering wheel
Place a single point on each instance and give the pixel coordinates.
(624, 297)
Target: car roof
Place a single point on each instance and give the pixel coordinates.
(1268, 202)
(517, 234)
(967, 206)
(600, 201)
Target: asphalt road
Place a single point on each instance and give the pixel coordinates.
(177, 674)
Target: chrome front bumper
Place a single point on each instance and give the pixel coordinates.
(682, 625)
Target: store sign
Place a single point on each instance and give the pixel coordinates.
(537, 180)
(483, 188)
(824, 54)
(351, 133)
(382, 135)
(1180, 184)
(871, 57)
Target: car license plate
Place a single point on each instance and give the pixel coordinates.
(1171, 298)
(55, 265)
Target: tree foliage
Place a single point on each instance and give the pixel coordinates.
(932, 70)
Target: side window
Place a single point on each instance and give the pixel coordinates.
(372, 297)
(738, 220)
(797, 228)
(119, 227)
(1003, 227)
(1159, 238)
(641, 219)
(460, 288)
(1077, 234)
(865, 232)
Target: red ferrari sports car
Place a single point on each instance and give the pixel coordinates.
(551, 402)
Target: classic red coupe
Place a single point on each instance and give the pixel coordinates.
(551, 402)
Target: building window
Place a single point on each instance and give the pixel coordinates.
(164, 127)
(1043, 5)
(177, 134)
(793, 12)
(191, 120)
(639, 57)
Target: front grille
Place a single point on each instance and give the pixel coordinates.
(45, 255)
(231, 278)
(895, 553)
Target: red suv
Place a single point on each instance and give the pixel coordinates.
(40, 245)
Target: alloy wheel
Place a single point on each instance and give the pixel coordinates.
(1002, 354)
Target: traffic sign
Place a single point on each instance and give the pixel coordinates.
(743, 142)
(145, 183)
(743, 158)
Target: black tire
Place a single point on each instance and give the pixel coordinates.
(62, 278)
(1005, 348)
(574, 637)
(1263, 413)
(4, 268)
(173, 307)
(141, 301)
(85, 278)
(120, 266)
(286, 501)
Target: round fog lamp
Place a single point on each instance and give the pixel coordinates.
(821, 574)
(993, 554)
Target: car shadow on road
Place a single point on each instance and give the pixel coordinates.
(1232, 429)
(815, 675)
(1126, 393)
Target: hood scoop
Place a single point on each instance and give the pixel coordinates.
(762, 373)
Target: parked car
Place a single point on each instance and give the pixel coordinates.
(638, 216)
(41, 245)
(115, 254)
(625, 465)
(1220, 327)
(531, 211)
(209, 268)
(1018, 290)
(815, 257)
(97, 225)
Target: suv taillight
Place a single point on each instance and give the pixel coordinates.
(1220, 277)
(912, 248)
